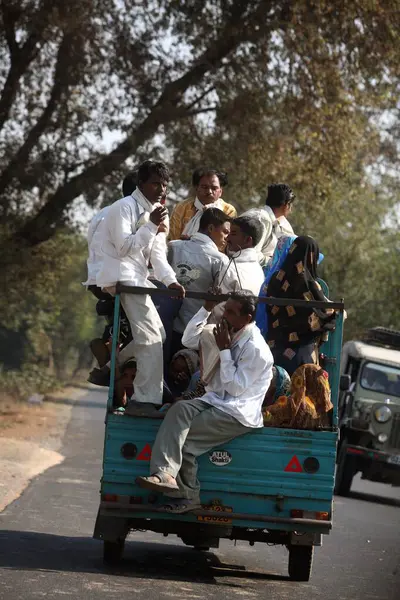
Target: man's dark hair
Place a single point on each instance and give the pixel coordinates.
(279, 194)
(129, 183)
(247, 300)
(203, 172)
(250, 226)
(213, 216)
(151, 167)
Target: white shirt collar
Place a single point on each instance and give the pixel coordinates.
(271, 213)
(204, 239)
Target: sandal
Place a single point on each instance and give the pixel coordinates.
(179, 506)
(159, 482)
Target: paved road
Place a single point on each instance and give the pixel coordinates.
(46, 549)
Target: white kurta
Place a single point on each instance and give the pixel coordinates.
(239, 385)
(128, 246)
(244, 273)
(127, 249)
(94, 239)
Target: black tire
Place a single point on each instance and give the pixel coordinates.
(300, 562)
(112, 552)
(345, 471)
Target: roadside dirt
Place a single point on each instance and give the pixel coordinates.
(31, 438)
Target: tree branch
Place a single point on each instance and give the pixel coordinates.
(9, 15)
(21, 60)
(165, 110)
(21, 158)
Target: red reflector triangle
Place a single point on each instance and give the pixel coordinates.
(145, 453)
(293, 466)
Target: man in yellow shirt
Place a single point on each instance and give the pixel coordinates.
(185, 218)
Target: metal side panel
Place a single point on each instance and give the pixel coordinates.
(267, 473)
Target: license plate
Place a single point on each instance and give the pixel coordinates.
(394, 460)
(217, 518)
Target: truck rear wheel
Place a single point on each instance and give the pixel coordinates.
(112, 552)
(345, 471)
(300, 562)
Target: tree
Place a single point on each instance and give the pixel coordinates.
(75, 71)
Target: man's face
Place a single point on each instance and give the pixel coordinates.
(179, 370)
(219, 234)
(237, 240)
(127, 378)
(233, 316)
(287, 209)
(154, 188)
(209, 189)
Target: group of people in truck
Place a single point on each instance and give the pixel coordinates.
(216, 369)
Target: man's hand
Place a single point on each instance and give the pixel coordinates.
(158, 215)
(222, 336)
(210, 304)
(162, 228)
(177, 286)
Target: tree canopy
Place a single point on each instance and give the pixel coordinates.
(76, 73)
(301, 91)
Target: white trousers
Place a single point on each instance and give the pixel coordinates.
(146, 347)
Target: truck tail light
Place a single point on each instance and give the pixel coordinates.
(308, 514)
(110, 497)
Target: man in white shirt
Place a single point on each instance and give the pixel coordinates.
(235, 388)
(135, 231)
(274, 218)
(94, 261)
(95, 237)
(244, 271)
(198, 264)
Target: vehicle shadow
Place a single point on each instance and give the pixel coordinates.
(31, 551)
(374, 498)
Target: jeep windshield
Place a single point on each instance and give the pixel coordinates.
(381, 378)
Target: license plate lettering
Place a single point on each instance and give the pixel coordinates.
(394, 460)
(216, 518)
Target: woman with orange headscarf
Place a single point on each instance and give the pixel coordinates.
(308, 404)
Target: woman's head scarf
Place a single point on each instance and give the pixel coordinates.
(274, 264)
(191, 358)
(297, 279)
(310, 383)
(308, 402)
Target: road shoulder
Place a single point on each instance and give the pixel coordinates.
(31, 439)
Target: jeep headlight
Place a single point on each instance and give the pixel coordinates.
(382, 414)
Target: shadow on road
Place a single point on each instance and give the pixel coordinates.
(374, 498)
(33, 551)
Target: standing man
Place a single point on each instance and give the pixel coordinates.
(239, 379)
(274, 218)
(208, 185)
(135, 234)
(105, 306)
(95, 237)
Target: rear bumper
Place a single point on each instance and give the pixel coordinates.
(113, 508)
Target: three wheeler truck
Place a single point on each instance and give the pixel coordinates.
(273, 485)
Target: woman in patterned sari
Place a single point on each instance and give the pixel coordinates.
(308, 403)
(293, 332)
